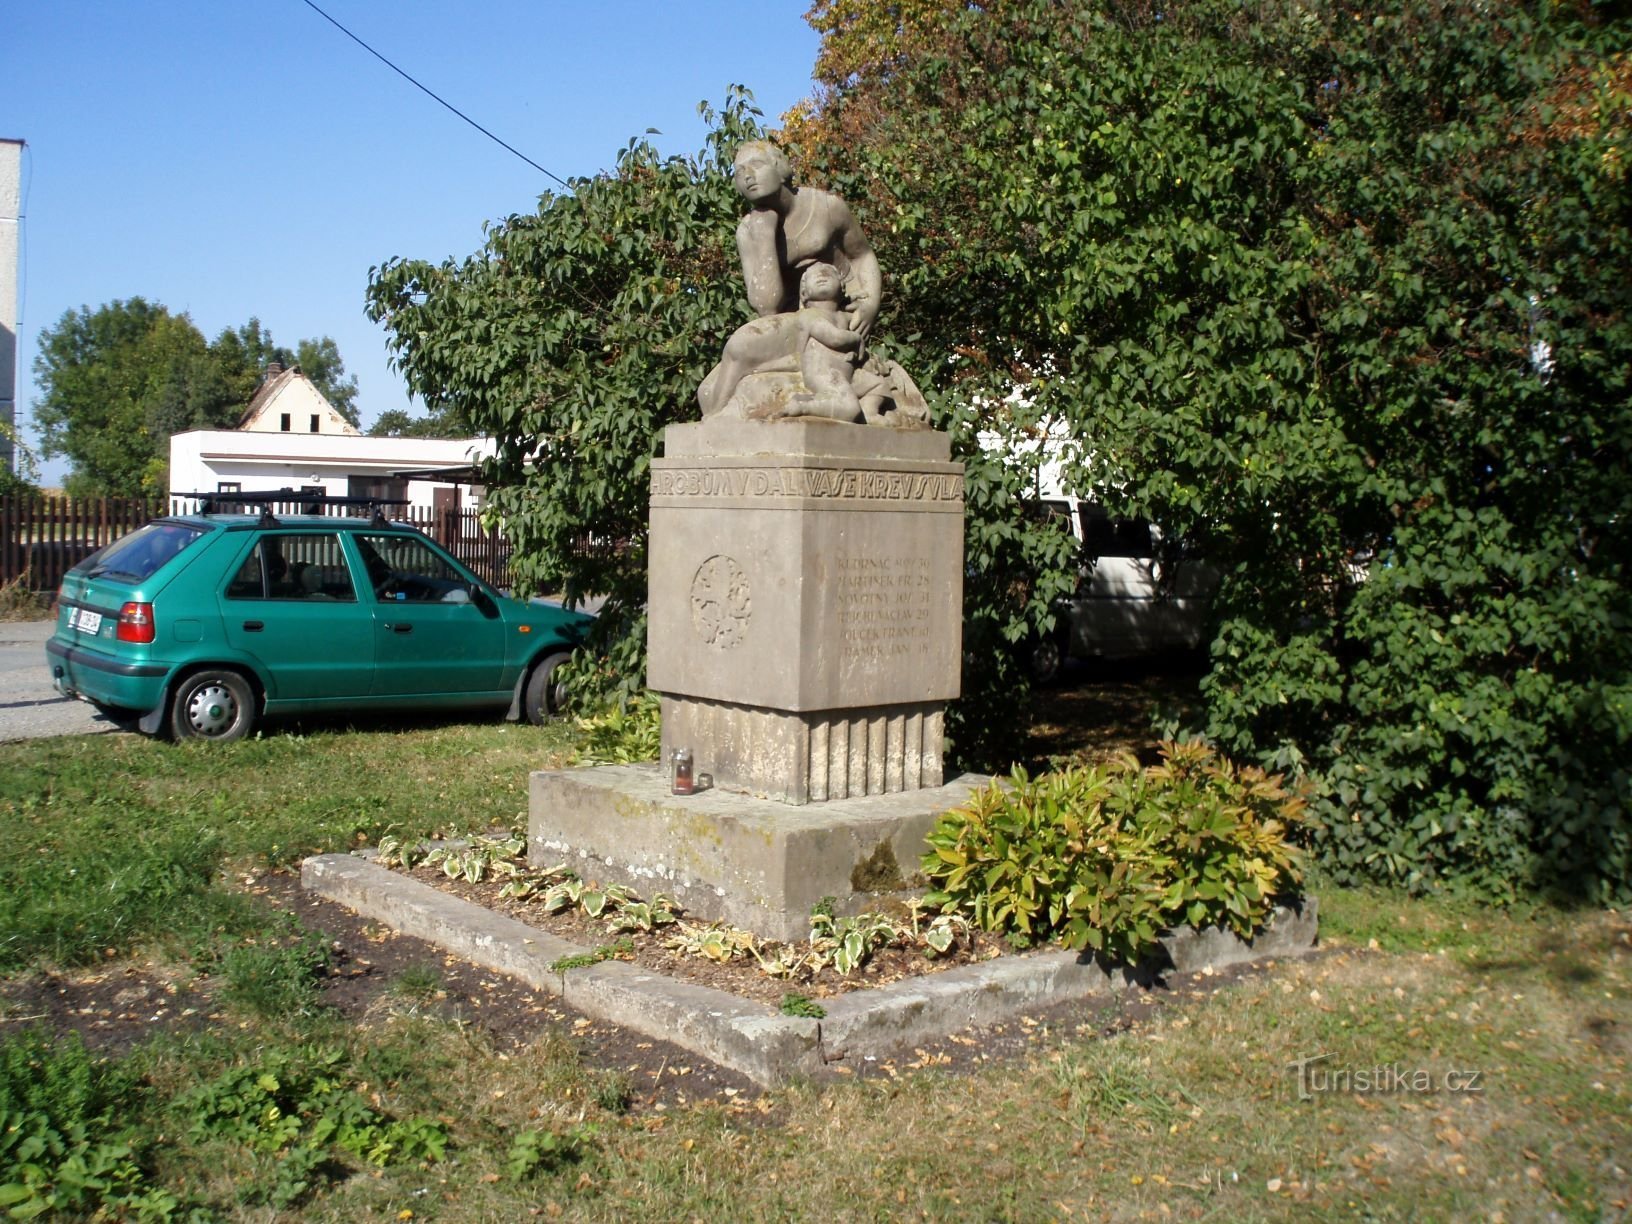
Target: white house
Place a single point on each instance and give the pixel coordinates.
(291, 437)
(341, 464)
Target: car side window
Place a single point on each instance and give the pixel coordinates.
(297, 566)
(404, 569)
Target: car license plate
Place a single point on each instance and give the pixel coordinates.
(85, 621)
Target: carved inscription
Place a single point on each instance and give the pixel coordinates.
(883, 607)
(720, 602)
(838, 483)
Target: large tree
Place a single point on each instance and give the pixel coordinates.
(396, 423)
(1341, 298)
(116, 382)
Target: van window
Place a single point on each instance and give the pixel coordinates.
(1103, 536)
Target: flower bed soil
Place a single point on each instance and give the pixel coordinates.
(741, 976)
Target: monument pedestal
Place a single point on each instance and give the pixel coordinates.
(805, 604)
(805, 627)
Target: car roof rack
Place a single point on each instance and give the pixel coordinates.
(310, 503)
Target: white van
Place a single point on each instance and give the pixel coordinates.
(1126, 604)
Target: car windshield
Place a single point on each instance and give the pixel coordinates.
(140, 553)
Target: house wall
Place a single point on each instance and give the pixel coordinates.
(203, 459)
(295, 407)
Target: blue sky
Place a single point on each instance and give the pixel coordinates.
(233, 159)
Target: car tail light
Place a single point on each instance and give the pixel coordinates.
(136, 623)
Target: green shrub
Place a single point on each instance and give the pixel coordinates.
(628, 732)
(18, 603)
(69, 1127)
(1108, 856)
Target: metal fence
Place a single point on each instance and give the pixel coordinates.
(42, 537)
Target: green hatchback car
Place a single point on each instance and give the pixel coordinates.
(203, 624)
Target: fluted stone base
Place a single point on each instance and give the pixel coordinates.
(810, 757)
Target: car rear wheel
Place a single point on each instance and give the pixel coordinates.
(213, 705)
(546, 695)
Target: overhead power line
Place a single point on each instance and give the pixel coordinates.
(431, 94)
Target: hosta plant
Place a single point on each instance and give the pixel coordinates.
(475, 857)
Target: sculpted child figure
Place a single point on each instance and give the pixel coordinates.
(827, 344)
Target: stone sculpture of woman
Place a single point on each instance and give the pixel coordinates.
(788, 229)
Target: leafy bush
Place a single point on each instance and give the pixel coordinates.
(18, 603)
(69, 1127)
(540, 1151)
(627, 732)
(1108, 856)
(1341, 303)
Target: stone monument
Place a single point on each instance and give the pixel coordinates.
(805, 601)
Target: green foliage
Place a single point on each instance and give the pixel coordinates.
(1107, 857)
(70, 1134)
(304, 1108)
(1341, 303)
(18, 603)
(94, 867)
(116, 382)
(320, 361)
(626, 732)
(843, 944)
(395, 423)
(848, 942)
(278, 978)
(22, 474)
(577, 333)
(619, 949)
(533, 1152)
(572, 338)
(798, 1005)
(72, 905)
(475, 857)
(418, 982)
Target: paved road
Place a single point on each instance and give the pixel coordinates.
(29, 706)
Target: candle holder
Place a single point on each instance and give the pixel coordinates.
(681, 781)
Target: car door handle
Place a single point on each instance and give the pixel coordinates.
(254, 626)
(399, 627)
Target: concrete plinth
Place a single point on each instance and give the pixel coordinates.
(805, 603)
(755, 863)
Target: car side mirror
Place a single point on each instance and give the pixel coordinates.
(480, 597)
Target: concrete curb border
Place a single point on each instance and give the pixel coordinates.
(750, 1037)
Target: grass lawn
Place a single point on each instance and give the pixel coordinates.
(1457, 1062)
